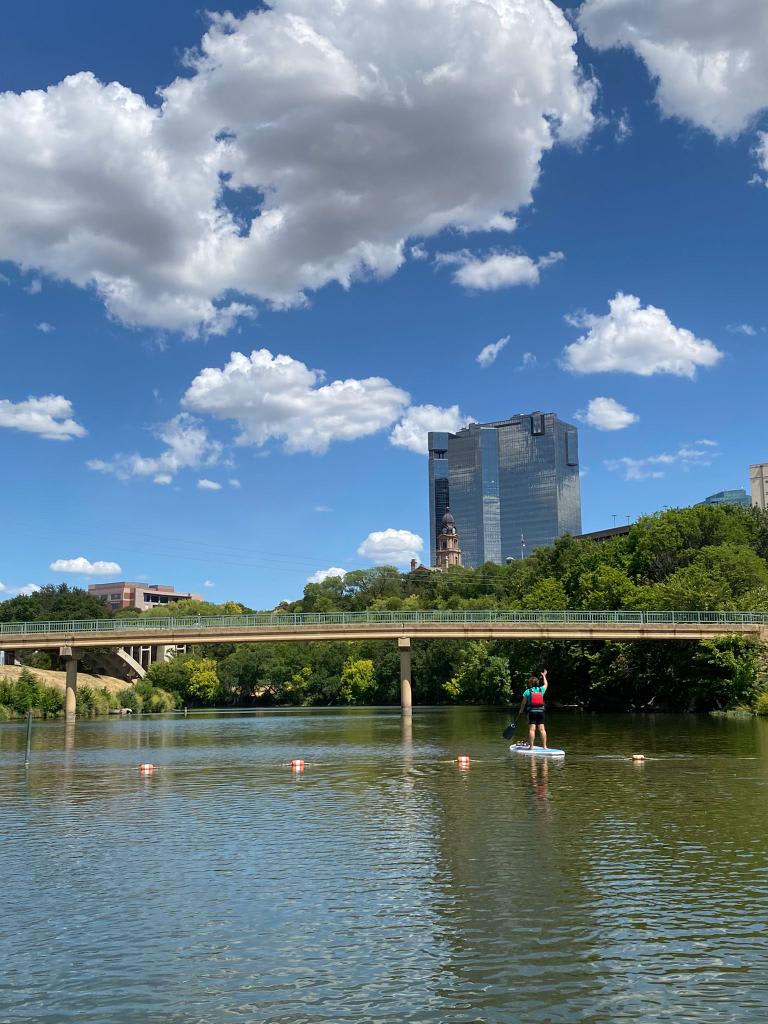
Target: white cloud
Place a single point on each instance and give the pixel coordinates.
(234, 483)
(208, 485)
(50, 416)
(747, 329)
(499, 270)
(636, 339)
(709, 58)
(655, 466)
(26, 590)
(528, 362)
(411, 432)
(338, 130)
(418, 252)
(83, 567)
(209, 583)
(34, 287)
(323, 574)
(623, 128)
(323, 508)
(187, 447)
(607, 414)
(391, 547)
(46, 328)
(488, 355)
(279, 397)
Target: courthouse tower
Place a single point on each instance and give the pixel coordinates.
(448, 551)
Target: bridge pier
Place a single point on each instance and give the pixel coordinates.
(70, 656)
(404, 646)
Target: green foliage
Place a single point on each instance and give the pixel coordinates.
(52, 604)
(482, 677)
(37, 659)
(185, 608)
(358, 680)
(192, 680)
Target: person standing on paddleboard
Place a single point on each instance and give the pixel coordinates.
(533, 703)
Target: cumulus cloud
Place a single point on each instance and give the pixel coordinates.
(499, 270)
(323, 574)
(528, 362)
(26, 590)
(305, 143)
(187, 447)
(418, 252)
(45, 327)
(391, 547)
(709, 59)
(209, 583)
(411, 432)
(636, 339)
(50, 416)
(83, 567)
(488, 354)
(208, 485)
(655, 466)
(279, 397)
(606, 414)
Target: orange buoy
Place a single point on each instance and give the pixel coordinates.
(297, 764)
(463, 761)
(146, 769)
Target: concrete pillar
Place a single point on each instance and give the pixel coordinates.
(404, 646)
(164, 652)
(70, 656)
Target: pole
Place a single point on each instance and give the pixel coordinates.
(29, 739)
(404, 646)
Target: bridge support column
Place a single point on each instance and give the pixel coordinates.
(70, 656)
(404, 646)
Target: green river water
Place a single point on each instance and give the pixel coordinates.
(384, 883)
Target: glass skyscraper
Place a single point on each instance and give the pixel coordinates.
(512, 485)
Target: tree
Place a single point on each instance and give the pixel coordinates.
(52, 603)
(481, 678)
(358, 680)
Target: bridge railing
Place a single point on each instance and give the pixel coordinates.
(395, 618)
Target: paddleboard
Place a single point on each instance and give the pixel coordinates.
(523, 748)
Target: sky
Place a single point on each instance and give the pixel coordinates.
(250, 256)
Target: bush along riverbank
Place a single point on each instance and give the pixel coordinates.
(29, 693)
(704, 558)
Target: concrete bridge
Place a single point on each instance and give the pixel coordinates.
(71, 639)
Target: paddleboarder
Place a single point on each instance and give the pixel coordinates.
(533, 704)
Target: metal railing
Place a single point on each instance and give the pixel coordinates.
(402, 618)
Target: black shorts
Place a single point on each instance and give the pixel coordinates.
(535, 718)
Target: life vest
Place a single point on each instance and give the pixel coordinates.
(535, 699)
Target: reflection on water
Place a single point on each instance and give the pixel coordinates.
(383, 884)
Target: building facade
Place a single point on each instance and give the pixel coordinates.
(758, 484)
(512, 486)
(142, 596)
(735, 497)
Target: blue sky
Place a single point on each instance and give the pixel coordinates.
(340, 190)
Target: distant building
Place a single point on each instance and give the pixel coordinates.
(143, 596)
(512, 485)
(735, 497)
(601, 535)
(758, 484)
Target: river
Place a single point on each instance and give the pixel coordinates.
(384, 883)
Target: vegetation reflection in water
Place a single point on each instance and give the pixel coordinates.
(384, 884)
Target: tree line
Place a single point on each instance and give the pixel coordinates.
(703, 558)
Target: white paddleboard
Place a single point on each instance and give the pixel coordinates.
(523, 748)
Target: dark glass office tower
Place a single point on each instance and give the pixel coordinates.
(438, 487)
(512, 485)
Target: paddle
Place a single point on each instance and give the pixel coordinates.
(509, 732)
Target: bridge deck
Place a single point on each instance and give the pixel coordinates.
(264, 627)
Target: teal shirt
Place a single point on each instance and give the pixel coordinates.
(527, 697)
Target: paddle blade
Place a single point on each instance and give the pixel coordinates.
(509, 732)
